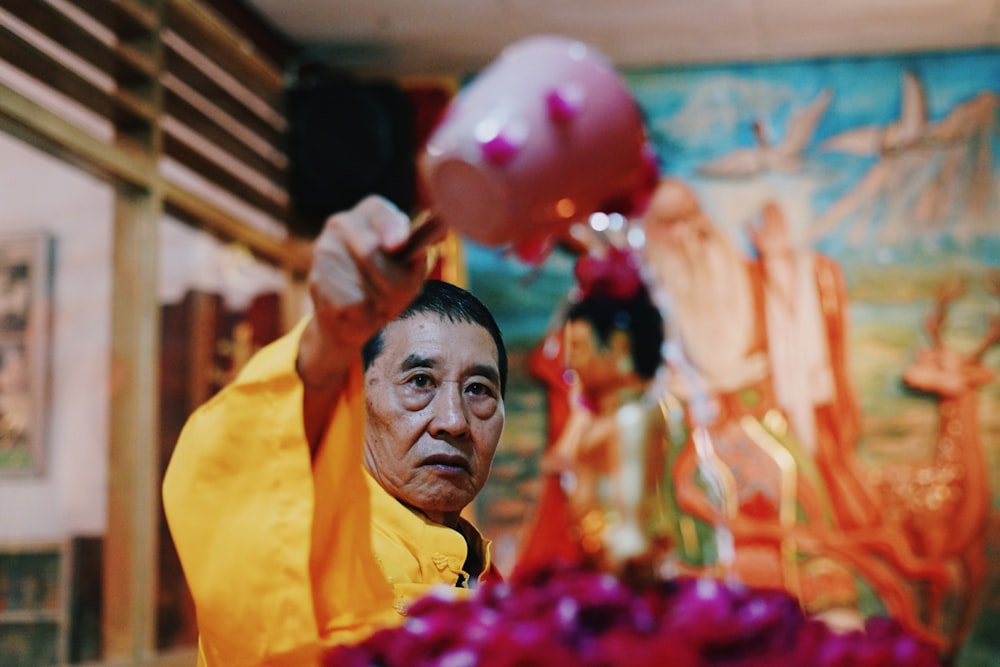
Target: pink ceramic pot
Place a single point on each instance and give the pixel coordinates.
(543, 137)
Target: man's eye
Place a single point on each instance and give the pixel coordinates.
(421, 381)
(480, 389)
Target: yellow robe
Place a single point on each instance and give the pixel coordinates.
(285, 554)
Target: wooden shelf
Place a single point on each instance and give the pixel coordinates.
(34, 595)
(11, 616)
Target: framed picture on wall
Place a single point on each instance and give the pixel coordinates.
(25, 271)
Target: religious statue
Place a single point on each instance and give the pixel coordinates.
(609, 455)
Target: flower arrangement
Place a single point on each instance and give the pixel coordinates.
(579, 617)
(612, 274)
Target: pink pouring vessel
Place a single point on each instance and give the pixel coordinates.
(545, 136)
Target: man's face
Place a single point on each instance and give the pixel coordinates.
(434, 413)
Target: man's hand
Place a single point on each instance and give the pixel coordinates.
(358, 281)
(367, 266)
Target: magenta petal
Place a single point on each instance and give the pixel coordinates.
(500, 150)
(579, 618)
(564, 103)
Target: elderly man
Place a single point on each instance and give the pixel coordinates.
(322, 491)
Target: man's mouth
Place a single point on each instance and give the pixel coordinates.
(447, 463)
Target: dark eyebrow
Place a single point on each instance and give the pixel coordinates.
(417, 361)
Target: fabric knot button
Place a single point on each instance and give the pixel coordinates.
(440, 560)
(399, 604)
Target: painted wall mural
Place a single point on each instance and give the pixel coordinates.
(878, 160)
(887, 165)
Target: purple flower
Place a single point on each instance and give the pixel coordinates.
(582, 618)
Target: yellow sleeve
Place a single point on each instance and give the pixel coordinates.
(255, 543)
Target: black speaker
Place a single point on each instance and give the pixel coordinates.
(347, 139)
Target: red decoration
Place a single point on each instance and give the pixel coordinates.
(614, 274)
(535, 249)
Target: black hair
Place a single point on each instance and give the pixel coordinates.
(454, 304)
(636, 316)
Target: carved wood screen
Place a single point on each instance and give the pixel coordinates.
(165, 95)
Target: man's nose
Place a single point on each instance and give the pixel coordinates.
(449, 411)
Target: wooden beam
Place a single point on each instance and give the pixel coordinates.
(35, 124)
(133, 457)
(25, 118)
(132, 536)
(292, 253)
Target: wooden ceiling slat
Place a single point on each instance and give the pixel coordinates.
(27, 119)
(184, 205)
(182, 110)
(190, 157)
(119, 105)
(237, 56)
(204, 85)
(125, 18)
(122, 62)
(248, 21)
(104, 60)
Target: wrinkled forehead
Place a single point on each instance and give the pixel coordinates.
(435, 336)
